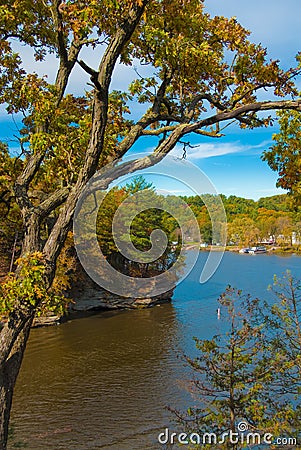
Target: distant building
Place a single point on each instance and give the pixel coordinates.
(295, 238)
(269, 241)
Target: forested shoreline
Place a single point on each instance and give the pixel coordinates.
(273, 220)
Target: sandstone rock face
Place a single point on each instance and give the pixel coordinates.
(86, 296)
(46, 320)
(94, 298)
(97, 299)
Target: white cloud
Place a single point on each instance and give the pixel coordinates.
(172, 192)
(273, 191)
(203, 150)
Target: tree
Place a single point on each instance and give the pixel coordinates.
(243, 230)
(283, 317)
(150, 219)
(66, 137)
(250, 372)
(267, 223)
(205, 225)
(284, 155)
(276, 202)
(229, 377)
(285, 229)
(237, 205)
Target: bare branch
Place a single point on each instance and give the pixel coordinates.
(245, 109)
(93, 73)
(161, 92)
(199, 98)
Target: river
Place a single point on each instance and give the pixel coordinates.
(104, 381)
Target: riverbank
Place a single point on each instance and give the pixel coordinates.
(87, 298)
(279, 250)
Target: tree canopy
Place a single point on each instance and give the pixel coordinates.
(284, 155)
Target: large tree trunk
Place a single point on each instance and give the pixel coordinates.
(9, 369)
(14, 336)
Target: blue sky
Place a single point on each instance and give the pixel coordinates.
(233, 162)
(275, 24)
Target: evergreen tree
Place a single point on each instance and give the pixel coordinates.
(249, 372)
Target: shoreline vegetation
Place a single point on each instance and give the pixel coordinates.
(94, 299)
(271, 249)
(248, 223)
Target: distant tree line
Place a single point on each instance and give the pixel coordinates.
(270, 219)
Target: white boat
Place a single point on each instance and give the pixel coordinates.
(244, 250)
(256, 250)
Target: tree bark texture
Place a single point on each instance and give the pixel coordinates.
(9, 369)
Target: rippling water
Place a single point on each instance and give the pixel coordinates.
(104, 381)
